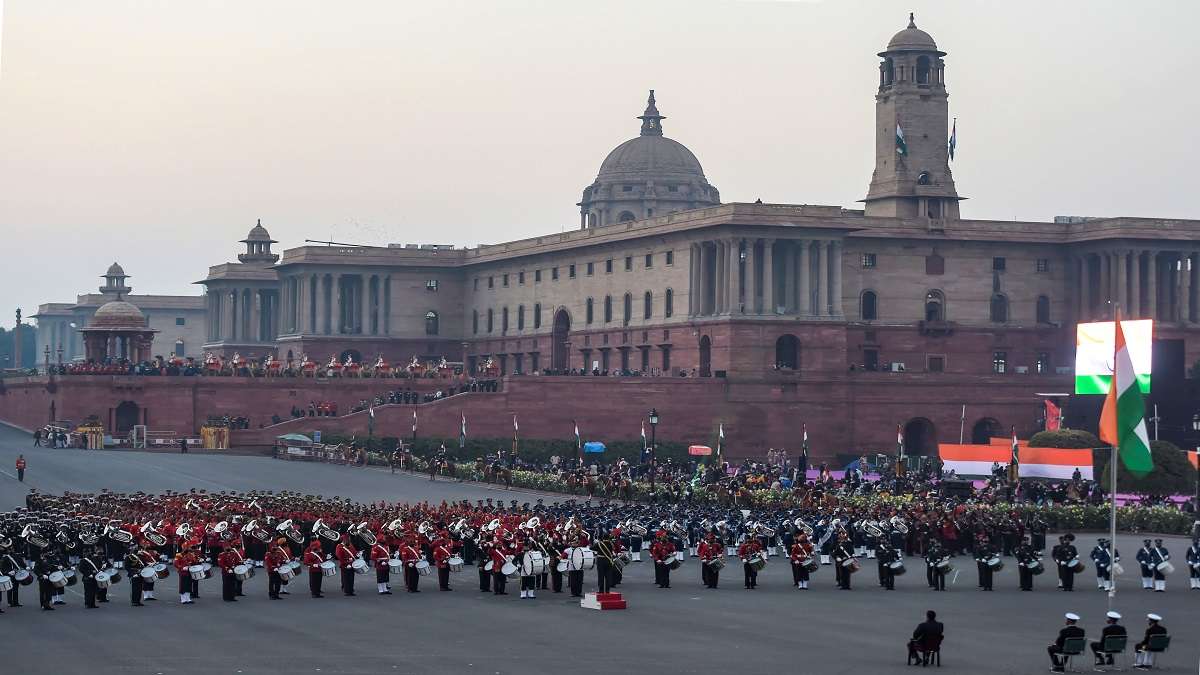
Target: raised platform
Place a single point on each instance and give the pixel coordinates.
(602, 601)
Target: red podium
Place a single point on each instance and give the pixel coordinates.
(602, 601)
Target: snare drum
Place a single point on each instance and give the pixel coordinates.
(147, 574)
(1077, 565)
(208, 573)
(161, 571)
(6, 584)
(1036, 567)
(329, 569)
(286, 572)
(562, 566)
(113, 575)
(1165, 567)
(533, 564)
(196, 572)
(758, 561)
(812, 564)
(455, 563)
(359, 566)
(58, 579)
(717, 564)
(242, 572)
(103, 580)
(296, 566)
(673, 563)
(395, 566)
(72, 578)
(23, 577)
(582, 559)
(488, 566)
(510, 570)
(995, 563)
(897, 567)
(423, 568)
(852, 565)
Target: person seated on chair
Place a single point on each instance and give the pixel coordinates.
(1142, 658)
(1068, 631)
(926, 633)
(1111, 629)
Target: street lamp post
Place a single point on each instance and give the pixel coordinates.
(653, 450)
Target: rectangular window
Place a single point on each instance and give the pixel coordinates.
(608, 266)
(649, 260)
(180, 321)
(520, 278)
(476, 283)
(491, 282)
(571, 271)
(431, 285)
(591, 269)
(868, 261)
(1043, 265)
(504, 281)
(1042, 366)
(998, 264)
(670, 257)
(537, 276)
(672, 188)
(870, 359)
(999, 362)
(626, 188)
(628, 263)
(553, 274)
(537, 315)
(935, 363)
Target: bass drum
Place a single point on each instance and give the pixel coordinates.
(533, 563)
(582, 559)
(423, 568)
(455, 563)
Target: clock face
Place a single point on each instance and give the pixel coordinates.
(653, 124)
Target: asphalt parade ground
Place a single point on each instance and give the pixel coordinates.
(684, 629)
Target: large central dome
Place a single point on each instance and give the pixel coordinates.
(647, 176)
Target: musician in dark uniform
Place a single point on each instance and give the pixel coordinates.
(1144, 562)
(984, 551)
(934, 573)
(1158, 556)
(313, 557)
(1111, 629)
(574, 576)
(709, 550)
(1193, 563)
(89, 565)
(133, 567)
(1063, 554)
(606, 550)
(1027, 560)
(1103, 556)
(485, 556)
(44, 566)
(9, 566)
(885, 555)
(843, 551)
(1069, 631)
(749, 548)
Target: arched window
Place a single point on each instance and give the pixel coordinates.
(1043, 309)
(520, 317)
(628, 314)
(999, 308)
(475, 321)
(935, 306)
(431, 323)
(607, 308)
(626, 216)
(669, 303)
(588, 311)
(490, 320)
(504, 320)
(923, 70)
(648, 305)
(869, 310)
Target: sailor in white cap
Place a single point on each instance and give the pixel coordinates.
(1144, 659)
(1071, 630)
(1112, 628)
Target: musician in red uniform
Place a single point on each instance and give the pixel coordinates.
(147, 556)
(239, 558)
(801, 553)
(379, 558)
(410, 554)
(313, 557)
(499, 554)
(709, 550)
(443, 549)
(747, 551)
(227, 560)
(346, 554)
(662, 551)
(183, 560)
(275, 558)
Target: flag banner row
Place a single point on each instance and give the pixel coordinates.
(977, 460)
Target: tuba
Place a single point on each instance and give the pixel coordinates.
(287, 529)
(872, 530)
(184, 531)
(257, 532)
(117, 534)
(899, 525)
(363, 532)
(321, 530)
(394, 526)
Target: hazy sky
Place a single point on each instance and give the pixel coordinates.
(155, 132)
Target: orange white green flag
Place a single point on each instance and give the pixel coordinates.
(1123, 420)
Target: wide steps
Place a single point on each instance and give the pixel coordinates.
(602, 601)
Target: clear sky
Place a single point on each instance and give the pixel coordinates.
(155, 132)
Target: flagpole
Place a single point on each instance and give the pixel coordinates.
(1112, 526)
(962, 421)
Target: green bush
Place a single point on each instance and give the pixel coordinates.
(1172, 475)
(533, 450)
(1065, 438)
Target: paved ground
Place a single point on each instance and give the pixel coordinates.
(685, 629)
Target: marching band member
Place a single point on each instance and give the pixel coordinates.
(275, 558)
(133, 567)
(1026, 560)
(227, 560)
(934, 574)
(746, 551)
(8, 568)
(239, 558)
(885, 555)
(1063, 554)
(148, 557)
(499, 555)
(709, 550)
(800, 553)
(485, 556)
(662, 551)
(574, 576)
(984, 550)
(410, 554)
(379, 558)
(88, 567)
(1193, 561)
(556, 577)
(1103, 556)
(528, 581)
(313, 557)
(443, 549)
(842, 551)
(183, 560)
(1158, 556)
(606, 549)
(346, 554)
(1144, 555)
(43, 568)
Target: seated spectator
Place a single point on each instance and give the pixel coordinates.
(926, 637)
(1111, 629)
(1057, 663)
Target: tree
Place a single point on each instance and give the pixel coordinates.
(1172, 475)
(1064, 438)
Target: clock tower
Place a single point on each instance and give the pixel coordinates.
(912, 176)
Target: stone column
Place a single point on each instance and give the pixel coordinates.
(227, 316)
(386, 306)
(1135, 284)
(720, 277)
(789, 277)
(256, 332)
(803, 263)
(1152, 285)
(769, 277)
(733, 278)
(751, 285)
(822, 308)
(1122, 294)
(1185, 288)
(706, 259)
(366, 303)
(692, 279)
(835, 301)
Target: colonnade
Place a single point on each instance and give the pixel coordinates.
(755, 275)
(244, 315)
(1158, 284)
(337, 304)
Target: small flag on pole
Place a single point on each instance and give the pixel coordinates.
(515, 427)
(414, 421)
(899, 442)
(953, 138)
(901, 145)
(720, 439)
(1014, 464)
(462, 431)
(1123, 419)
(578, 441)
(644, 446)
(804, 441)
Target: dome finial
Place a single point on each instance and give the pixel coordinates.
(912, 22)
(651, 120)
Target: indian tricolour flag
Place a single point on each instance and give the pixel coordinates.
(901, 145)
(1094, 349)
(1123, 419)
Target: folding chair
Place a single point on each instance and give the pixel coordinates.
(1155, 645)
(1072, 647)
(1113, 646)
(931, 651)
